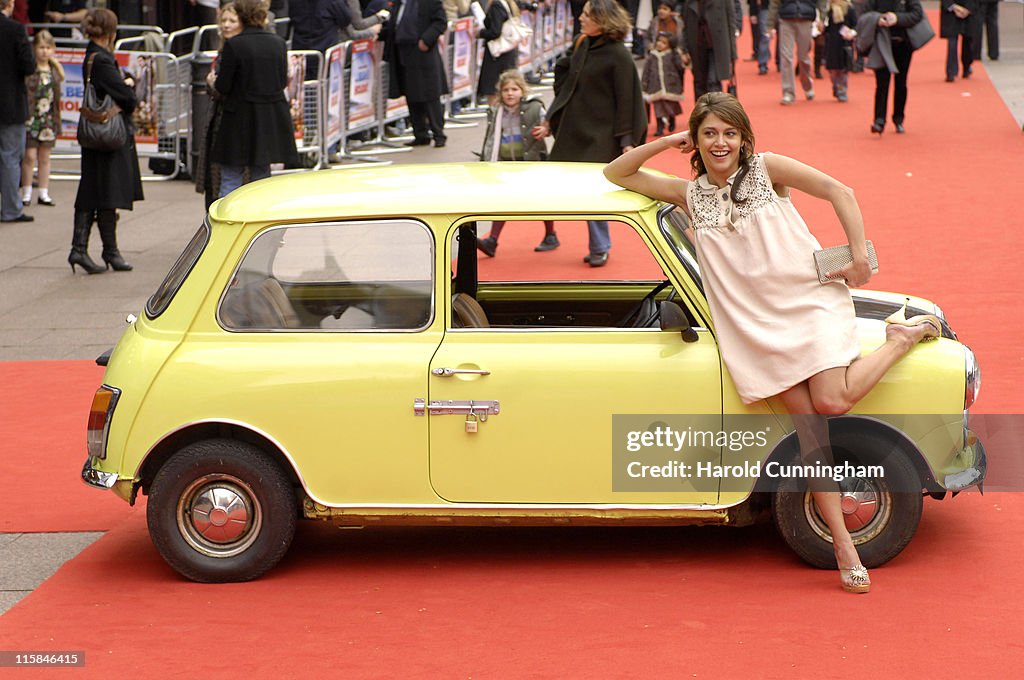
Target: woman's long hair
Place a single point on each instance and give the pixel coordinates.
(729, 109)
(839, 9)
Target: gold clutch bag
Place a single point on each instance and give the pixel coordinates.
(829, 260)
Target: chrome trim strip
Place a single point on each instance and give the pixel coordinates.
(519, 507)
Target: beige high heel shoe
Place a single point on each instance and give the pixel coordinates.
(855, 579)
(899, 318)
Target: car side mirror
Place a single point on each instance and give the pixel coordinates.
(673, 318)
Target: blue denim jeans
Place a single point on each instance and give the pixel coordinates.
(600, 240)
(762, 41)
(231, 176)
(12, 149)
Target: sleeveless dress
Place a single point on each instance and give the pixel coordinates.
(776, 324)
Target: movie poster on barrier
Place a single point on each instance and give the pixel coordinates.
(549, 34)
(561, 15)
(526, 48)
(462, 40)
(145, 117)
(565, 29)
(295, 92)
(361, 91)
(335, 71)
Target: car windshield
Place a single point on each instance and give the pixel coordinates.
(673, 223)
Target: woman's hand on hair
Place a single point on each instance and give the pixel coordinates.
(680, 140)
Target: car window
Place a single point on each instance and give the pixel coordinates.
(348, 276)
(519, 281)
(161, 299)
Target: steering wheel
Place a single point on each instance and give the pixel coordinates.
(646, 313)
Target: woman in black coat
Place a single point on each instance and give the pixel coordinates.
(256, 124)
(598, 111)
(897, 16)
(110, 179)
(492, 67)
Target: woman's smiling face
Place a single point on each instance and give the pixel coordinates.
(719, 144)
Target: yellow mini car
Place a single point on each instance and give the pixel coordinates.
(333, 346)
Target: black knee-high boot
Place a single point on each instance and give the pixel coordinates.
(80, 243)
(107, 220)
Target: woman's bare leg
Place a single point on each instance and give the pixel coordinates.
(815, 447)
(44, 169)
(28, 164)
(834, 391)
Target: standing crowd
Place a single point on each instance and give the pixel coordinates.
(602, 104)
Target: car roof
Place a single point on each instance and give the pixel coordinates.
(424, 189)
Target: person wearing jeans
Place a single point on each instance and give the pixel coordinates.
(793, 19)
(759, 34)
(16, 62)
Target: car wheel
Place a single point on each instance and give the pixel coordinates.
(220, 510)
(882, 514)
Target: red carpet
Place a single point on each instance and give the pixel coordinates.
(43, 449)
(601, 603)
(546, 603)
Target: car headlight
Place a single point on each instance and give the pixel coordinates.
(973, 383)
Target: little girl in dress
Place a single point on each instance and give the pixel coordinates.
(43, 126)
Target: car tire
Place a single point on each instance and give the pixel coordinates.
(881, 513)
(221, 510)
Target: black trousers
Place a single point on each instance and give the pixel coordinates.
(966, 54)
(427, 119)
(901, 53)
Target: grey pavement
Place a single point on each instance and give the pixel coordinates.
(46, 313)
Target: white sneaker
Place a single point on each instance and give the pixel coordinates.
(787, 99)
(809, 94)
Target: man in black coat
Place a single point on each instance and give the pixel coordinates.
(16, 62)
(415, 67)
(709, 43)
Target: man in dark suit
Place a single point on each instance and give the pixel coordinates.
(16, 62)
(958, 22)
(415, 67)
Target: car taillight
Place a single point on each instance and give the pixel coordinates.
(102, 410)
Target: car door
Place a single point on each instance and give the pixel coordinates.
(546, 398)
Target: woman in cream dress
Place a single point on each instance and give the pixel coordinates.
(780, 331)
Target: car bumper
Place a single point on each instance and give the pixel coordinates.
(101, 479)
(973, 475)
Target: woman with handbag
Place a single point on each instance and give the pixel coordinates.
(896, 16)
(781, 332)
(110, 179)
(498, 12)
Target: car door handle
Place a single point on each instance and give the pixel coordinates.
(449, 372)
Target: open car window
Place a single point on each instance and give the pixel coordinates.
(522, 288)
(349, 276)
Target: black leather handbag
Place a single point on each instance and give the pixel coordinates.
(101, 126)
